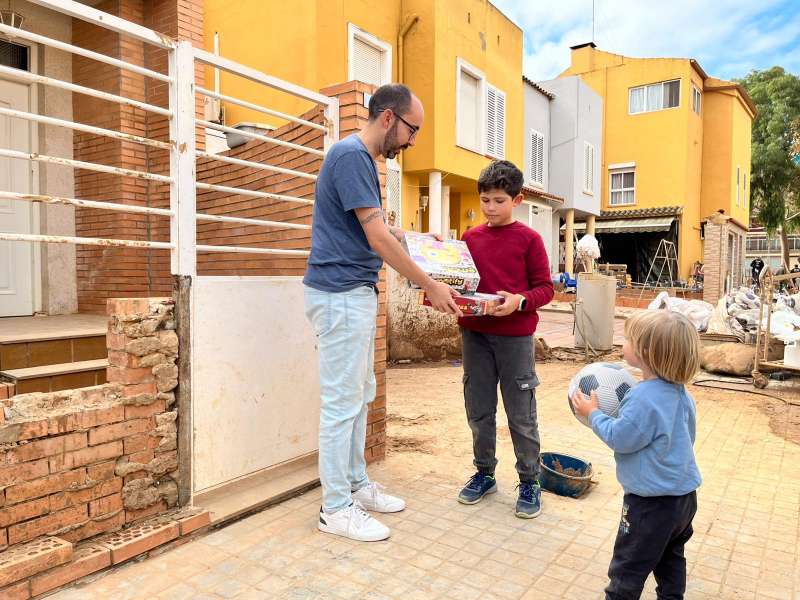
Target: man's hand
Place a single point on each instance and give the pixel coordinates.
(584, 406)
(510, 304)
(441, 298)
(437, 236)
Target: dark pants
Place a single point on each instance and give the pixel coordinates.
(651, 537)
(509, 360)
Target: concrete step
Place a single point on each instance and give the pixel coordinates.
(260, 490)
(55, 377)
(27, 342)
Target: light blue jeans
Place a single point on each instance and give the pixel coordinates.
(344, 324)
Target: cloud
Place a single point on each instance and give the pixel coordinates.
(727, 37)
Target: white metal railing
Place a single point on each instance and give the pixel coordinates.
(183, 154)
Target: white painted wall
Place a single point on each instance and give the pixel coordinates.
(576, 116)
(255, 378)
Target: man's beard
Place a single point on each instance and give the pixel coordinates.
(390, 146)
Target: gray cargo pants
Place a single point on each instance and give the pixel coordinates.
(509, 360)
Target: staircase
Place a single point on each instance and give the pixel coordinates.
(48, 354)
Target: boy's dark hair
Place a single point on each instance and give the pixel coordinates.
(394, 96)
(501, 175)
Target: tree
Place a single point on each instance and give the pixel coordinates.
(775, 170)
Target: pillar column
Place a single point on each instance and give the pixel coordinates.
(435, 201)
(569, 245)
(445, 211)
(590, 224)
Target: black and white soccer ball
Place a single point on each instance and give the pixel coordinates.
(611, 382)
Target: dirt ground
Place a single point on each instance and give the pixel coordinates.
(422, 423)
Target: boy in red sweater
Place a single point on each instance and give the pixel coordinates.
(512, 262)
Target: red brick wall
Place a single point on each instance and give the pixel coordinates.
(220, 203)
(112, 272)
(73, 460)
(716, 258)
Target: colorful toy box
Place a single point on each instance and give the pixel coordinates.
(448, 261)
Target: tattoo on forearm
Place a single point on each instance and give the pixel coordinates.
(376, 214)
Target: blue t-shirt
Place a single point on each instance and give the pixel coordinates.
(652, 439)
(341, 257)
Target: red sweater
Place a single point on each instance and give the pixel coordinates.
(512, 259)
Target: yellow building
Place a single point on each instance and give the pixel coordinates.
(463, 58)
(676, 149)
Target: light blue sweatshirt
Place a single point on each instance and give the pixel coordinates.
(652, 439)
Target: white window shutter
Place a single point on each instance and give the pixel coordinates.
(491, 121)
(367, 62)
(495, 122)
(536, 174)
(500, 128)
(588, 167)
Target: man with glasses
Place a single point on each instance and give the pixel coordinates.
(349, 242)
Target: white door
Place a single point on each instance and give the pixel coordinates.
(542, 221)
(16, 216)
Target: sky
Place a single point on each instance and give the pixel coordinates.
(727, 37)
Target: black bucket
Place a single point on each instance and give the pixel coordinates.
(553, 479)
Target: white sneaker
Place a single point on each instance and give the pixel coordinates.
(353, 522)
(372, 497)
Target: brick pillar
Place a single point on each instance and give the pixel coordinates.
(715, 258)
(142, 355)
(352, 118)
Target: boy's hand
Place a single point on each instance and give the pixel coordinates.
(584, 406)
(437, 236)
(510, 304)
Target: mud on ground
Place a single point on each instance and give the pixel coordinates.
(427, 420)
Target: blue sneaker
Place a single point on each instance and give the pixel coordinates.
(477, 487)
(529, 503)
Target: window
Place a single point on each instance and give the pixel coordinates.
(370, 58)
(588, 168)
(536, 164)
(470, 112)
(495, 122)
(737, 186)
(623, 187)
(656, 96)
(14, 55)
(696, 100)
(744, 190)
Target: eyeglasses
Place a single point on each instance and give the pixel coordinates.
(412, 128)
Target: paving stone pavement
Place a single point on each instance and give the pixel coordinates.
(745, 544)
